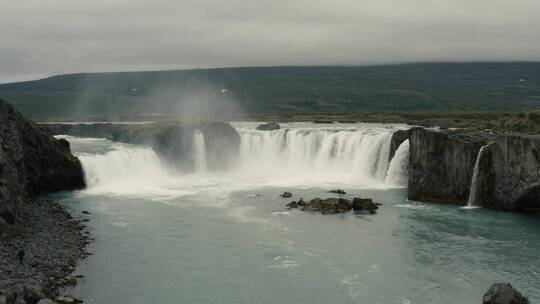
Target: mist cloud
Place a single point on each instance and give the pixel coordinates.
(42, 38)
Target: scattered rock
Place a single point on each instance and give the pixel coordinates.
(338, 191)
(326, 206)
(503, 293)
(45, 301)
(335, 205)
(286, 195)
(292, 204)
(364, 204)
(33, 292)
(271, 126)
(69, 280)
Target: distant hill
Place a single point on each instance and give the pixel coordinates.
(257, 90)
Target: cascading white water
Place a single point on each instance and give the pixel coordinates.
(473, 192)
(297, 155)
(124, 166)
(398, 169)
(199, 152)
(352, 155)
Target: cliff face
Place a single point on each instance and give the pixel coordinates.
(510, 173)
(441, 165)
(31, 162)
(173, 142)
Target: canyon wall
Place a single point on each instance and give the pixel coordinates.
(32, 162)
(509, 176)
(441, 165)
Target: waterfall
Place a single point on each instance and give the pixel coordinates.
(296, 156)
(341, 154)
(199, 152)
(398, 170)
(473, 192)
(123, 166)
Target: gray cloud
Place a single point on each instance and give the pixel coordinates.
(42, 38)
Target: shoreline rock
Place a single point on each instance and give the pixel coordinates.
(53, 242)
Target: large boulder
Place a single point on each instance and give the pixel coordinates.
(271, 126)
(503, 293)
(364, 204)
(32, 162)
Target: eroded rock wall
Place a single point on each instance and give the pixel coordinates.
(31, 162)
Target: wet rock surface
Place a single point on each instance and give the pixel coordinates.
(441, 164)
(509, 175)
(335, 205)
(271, 126)
(503, 293)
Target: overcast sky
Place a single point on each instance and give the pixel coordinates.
(42, 38)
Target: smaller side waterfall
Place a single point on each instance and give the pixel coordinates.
(124, 166)
(473, 193)
(398, 170)
(199, 152)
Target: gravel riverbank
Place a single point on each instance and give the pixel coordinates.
(43, 247)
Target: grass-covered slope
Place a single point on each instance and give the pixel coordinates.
(408, 87)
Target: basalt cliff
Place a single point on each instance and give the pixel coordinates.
(441, 166)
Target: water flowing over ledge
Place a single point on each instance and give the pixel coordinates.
(295, 155)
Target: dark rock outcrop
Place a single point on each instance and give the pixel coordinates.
(338, 191)
(222, 145)
(441, 164)
(173, 141)
(364, 204)
(335, 205)
(503, 293)
(509, 176)
(286, 194)
(271, 126)
(32, 162)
